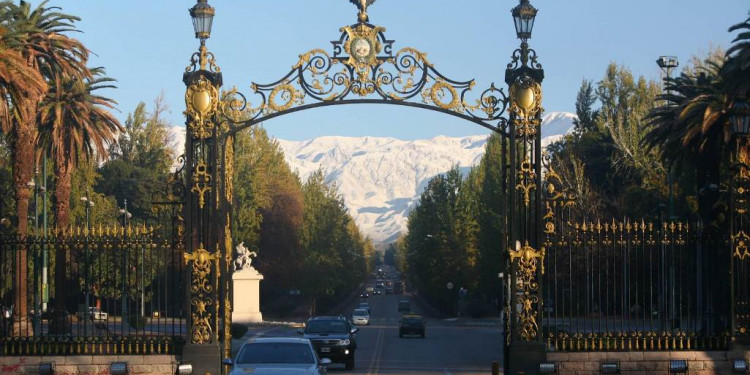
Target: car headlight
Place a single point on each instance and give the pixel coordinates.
(344, 342)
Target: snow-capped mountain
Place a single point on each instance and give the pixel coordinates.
(381, 178)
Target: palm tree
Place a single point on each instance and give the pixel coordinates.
(737, 69)
(39, 38)
(22, 86)
(691, 128)
(76, 122)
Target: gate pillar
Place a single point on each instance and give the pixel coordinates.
(204, 223)
(525, 256)
(739, 263)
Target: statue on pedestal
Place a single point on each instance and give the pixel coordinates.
(243, 260)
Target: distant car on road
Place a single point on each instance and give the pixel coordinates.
(404, 306)
(364, 306)
(411, 324)
(94, 313)
(361, 317)
(277, 355)
(364, 295)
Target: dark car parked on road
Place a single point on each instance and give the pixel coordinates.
(333, 337)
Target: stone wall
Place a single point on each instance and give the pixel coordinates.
(640, 363)
(90, 365)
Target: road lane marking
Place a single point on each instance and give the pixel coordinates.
(374, 367)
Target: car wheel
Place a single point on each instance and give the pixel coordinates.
(400, 334)
(350, 363)
(422, 334)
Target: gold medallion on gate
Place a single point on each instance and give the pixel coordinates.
(362, 45)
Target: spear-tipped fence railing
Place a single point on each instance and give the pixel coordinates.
(634, 285)
(123, 292)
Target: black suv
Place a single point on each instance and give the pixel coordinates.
(334, 337)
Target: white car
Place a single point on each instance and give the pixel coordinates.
(277, 355)
(361, 317)
(94, 313)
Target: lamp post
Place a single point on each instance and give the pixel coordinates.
(667, 65)
(524, 75)
(205, 225)
(124, 217)
(45, 254)
(88, 203)
(739, 205)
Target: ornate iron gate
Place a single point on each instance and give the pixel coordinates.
(362, 67)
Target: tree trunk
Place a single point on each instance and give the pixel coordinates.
(62, 218)
(23, 170)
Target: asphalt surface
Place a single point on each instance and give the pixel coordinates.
(450, 347)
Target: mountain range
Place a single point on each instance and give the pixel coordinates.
(380, 178)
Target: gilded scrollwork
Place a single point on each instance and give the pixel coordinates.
(363, 67)
(201, 101)
(203, 60)
(526, 180)
(740, 242)
(527, 281)
(201, 293)
(526, 104)
(201, 182)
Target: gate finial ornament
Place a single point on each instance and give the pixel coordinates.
(362, 6)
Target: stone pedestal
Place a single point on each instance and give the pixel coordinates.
(246, 296)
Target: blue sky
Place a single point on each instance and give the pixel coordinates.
(146, 45)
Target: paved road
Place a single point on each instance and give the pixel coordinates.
(449, 347)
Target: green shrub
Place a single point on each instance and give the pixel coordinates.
(238, 330)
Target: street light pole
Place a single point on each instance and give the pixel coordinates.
(45, 255)
(667, 65)
(124, 216)
(88, 203)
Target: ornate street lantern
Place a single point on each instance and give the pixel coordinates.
(203, 18)
(523, 17)
(667, 62)
(740, 117)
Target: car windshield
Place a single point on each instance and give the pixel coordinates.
(412, 321)
(359, 312)
(363, 306)
(275, 353)
(327, 326)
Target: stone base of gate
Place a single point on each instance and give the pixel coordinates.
(246, 296)
(632, 363)
(90, 365)
(525, 358)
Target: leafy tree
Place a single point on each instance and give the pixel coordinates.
(140, 161)
(440, 247)
(490, 215)
(691, 127)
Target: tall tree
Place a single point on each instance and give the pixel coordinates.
(40, 38)
(737, 69)
(691, 127)
(140, 160)
(43, 43)
(76, 123)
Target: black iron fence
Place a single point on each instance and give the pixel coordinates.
(119, 290)
(623, 285)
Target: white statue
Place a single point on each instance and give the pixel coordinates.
(243, 260)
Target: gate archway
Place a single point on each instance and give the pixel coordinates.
(361, 68)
